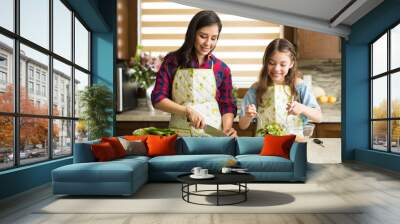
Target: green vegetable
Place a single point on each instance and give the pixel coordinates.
(272, 129)
(154, 131)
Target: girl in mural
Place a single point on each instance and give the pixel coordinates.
(279, 96)
(195, 86)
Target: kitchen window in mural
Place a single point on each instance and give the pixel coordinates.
(385, 96)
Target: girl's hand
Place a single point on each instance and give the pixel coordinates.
(251, 111)
(294, 108)
(195, 119)
(230, 132)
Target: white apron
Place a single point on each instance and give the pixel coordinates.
(273, 110)
(195, 88)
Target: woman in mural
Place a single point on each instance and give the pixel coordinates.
(279, 96)
(195, 86)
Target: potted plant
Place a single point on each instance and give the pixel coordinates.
(96, 104)
(142, 71)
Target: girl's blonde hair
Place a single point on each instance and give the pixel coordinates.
(281, 45)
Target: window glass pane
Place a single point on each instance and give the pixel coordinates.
(379, 55)
(6, 74)
(62, 138)
(395, 47)
(7, 14)
(81, 131)
(6, 142)
(32, 61)
(62, 29)
(81, 45)
(62, 89)
(33, 139)
(35, 21)
(81, 81)
(395, 94)
(395, 136)
(379, 97)
(379, 135)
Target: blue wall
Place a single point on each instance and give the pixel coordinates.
(355, 115)
(24, 178)
(104, 53)
(100, 16)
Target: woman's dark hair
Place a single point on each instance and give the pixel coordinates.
(186, 52)
(280, 45)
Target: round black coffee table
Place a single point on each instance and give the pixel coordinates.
(238, 179)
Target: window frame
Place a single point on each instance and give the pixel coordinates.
(16, 63)
(388, 74)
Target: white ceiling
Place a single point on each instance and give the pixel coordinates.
(315, 15)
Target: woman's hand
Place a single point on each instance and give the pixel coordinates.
(251, 111)
(231, 132)
(294, 108)
(195, 118)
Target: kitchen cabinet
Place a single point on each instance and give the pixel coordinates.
(327, 130)
(313, 45)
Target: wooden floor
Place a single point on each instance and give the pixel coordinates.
(378, 189)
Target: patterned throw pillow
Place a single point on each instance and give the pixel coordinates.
(134, 147)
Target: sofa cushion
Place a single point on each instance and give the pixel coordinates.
(206, 145)
(257, 163)
(83, 152)
(185, 163)
(93, 172)
(249, 145)
(118, 177)
(133, 157)
(136, 137)
(135, 147)
(116, 145)
(103, 151)
(161, 145)
(112, 171)
(277, 145)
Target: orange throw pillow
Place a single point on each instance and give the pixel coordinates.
(103, 151)
(136, 137)
(277, 145)
(161, 145)
(116, 145)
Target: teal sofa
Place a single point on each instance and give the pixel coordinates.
(125, 176)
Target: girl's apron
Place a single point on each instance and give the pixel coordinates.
(195, 88)
(273, 110)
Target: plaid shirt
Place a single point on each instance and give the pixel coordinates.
(222, 73)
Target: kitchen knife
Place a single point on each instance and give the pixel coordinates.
(213, 131)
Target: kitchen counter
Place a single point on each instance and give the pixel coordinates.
(128, 121)
(143, 114)
(330, 153)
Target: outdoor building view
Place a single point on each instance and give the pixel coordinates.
(385, 118)
(39, 114)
